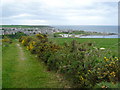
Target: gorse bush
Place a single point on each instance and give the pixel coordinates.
(83, 64)
(6, 40)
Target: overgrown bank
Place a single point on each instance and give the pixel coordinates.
(83, 64)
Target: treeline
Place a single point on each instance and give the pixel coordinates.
(83, 64)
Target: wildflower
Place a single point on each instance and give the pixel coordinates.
(104, 86)
(81, 78)
(98, 68)
(23, 41)
(89, 70)
(116, 57)
(105, 58)
(31, 46)
(33, 42)
(112, 74)
(112, 62)
(102, 48)
(105, 73)
(106, 65)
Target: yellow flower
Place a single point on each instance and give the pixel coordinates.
(105, 58)
(112, 62)
(112, 74)
(105, 73)
(89, 70)
(98, 68)
(81, 78)
(106, 65)
(23, 41)
(31, 46)
(33, 42)
(116, 57)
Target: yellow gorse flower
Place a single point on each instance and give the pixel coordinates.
(31, 46)
(23, 41)
(112, 74)
(89, 70)
(33, 42)
(106, 59)
(112, 62)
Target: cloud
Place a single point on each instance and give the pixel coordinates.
(100, 12)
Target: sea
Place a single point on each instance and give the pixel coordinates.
(92, 28)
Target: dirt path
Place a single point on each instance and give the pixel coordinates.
(21, 53)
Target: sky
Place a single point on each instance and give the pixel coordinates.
(59, 12)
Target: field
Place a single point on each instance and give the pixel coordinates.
(21, 26)
(108, 43)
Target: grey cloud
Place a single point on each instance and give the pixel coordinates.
(57, 15)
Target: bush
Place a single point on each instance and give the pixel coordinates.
(84, 65)
(6, 40)
(107, 85)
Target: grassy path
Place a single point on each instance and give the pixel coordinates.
(0, 64)
(22, 70)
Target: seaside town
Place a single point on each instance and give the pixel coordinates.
(29, 31)
(50, 31)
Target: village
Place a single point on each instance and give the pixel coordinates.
(37, 30)
(29, 31)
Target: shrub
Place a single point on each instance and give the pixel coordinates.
(107, 85)
(84, 65)
(6, 40)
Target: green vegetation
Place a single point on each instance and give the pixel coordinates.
(0, 64)
(27, 73)
(83, 63)
(111, 43)
(23, 26)
(107, 43)
(107, 85)
(14, 36)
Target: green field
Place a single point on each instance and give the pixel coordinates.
(100, 42)
(23, 26)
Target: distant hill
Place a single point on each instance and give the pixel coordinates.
(25, 26)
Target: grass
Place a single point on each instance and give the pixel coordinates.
(0, 64)
(108, 43)
(28, 73)
(23, 26)
(99, 42)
